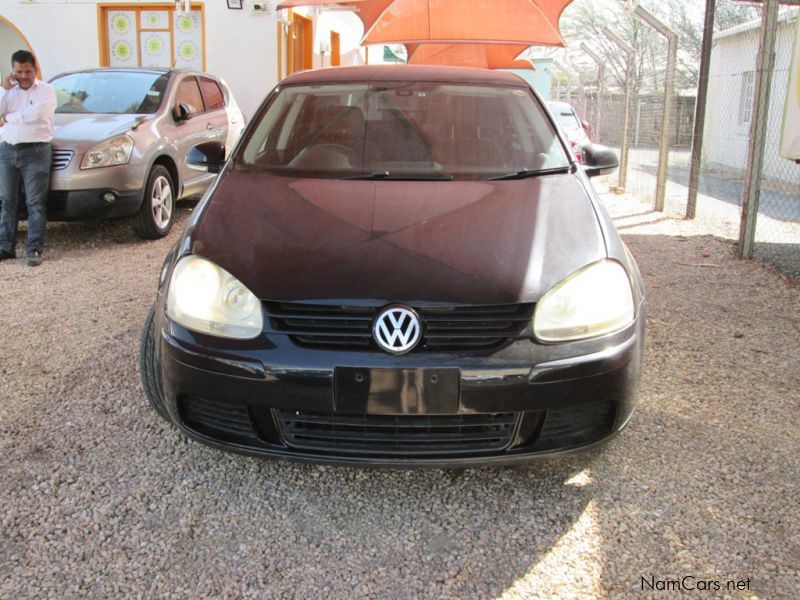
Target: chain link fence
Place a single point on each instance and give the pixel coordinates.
(729, 116)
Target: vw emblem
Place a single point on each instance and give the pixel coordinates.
(397, 330)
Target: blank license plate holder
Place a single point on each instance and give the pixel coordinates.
(396, 391)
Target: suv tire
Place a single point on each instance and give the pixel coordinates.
(157, 212)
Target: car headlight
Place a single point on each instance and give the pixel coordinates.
(597, 300)
(116, 151)
(206, 298)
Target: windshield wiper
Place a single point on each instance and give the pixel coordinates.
(531, 173)
(385, 175)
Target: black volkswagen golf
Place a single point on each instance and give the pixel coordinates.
(398, 265)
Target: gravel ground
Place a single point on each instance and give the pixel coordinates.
(99, 497)
(777, 241)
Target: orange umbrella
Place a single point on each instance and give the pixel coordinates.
(529, 22)
(489, 56)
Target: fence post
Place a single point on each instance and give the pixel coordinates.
(758, 127)
(566, 72)
(626, 126)
(669, 91)
(700, 110)
(601, 75)
(557, 81)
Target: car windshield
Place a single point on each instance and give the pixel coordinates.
(418, 130)
(110, 92)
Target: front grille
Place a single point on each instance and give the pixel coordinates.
(445, 328)
(389, 435)
(229, 422)
(61, 159)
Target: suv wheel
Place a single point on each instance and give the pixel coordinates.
(157, 212)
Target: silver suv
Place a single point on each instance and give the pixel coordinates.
(121, 141)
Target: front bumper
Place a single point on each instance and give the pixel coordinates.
(77, 194)
(252, 397)
(78, 205)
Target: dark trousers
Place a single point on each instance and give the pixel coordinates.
(29, 163)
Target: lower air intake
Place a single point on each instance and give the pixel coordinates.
(389, 435)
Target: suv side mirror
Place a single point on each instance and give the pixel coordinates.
(586, 127)
(208, 155)
(183, 112)
(599, 160)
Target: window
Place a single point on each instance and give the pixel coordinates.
(212, 94)
(189, 93)
(110, 92)
(157, 36)
(746, 98)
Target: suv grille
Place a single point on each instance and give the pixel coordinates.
(445, 328)
(61, 159)
(397, 435)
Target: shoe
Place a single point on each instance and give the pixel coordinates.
(34, 259)
(6, 255)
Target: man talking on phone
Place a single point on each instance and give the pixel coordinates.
(26, 129)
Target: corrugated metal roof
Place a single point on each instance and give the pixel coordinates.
(785, 17)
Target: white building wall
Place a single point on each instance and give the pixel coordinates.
(726, 139)
(349, 28)
(240, 45)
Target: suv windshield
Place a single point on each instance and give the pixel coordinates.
(110, 92)
(425, 130)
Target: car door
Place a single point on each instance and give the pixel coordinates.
(199, 127)
(236, 120)
(216, 108)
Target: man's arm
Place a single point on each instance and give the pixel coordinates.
(40, 111)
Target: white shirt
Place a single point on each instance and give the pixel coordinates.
(28, 113)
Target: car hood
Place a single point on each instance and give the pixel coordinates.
(458, 242)
(72, 128)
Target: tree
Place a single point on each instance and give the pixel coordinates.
(584, 20)
(730, 14)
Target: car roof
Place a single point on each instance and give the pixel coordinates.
(154, 70)
(405, 73)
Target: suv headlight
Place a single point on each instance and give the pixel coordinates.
(594, 301)
(116, 151)
(206, 298)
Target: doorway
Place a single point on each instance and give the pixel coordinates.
(11, 40)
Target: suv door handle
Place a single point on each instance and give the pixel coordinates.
(209, 126)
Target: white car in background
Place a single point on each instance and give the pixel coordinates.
(121, 141)
(576, 130)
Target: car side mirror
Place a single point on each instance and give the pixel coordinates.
(586, 127)
(210, 155)
(183, 112)
(599, 160)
